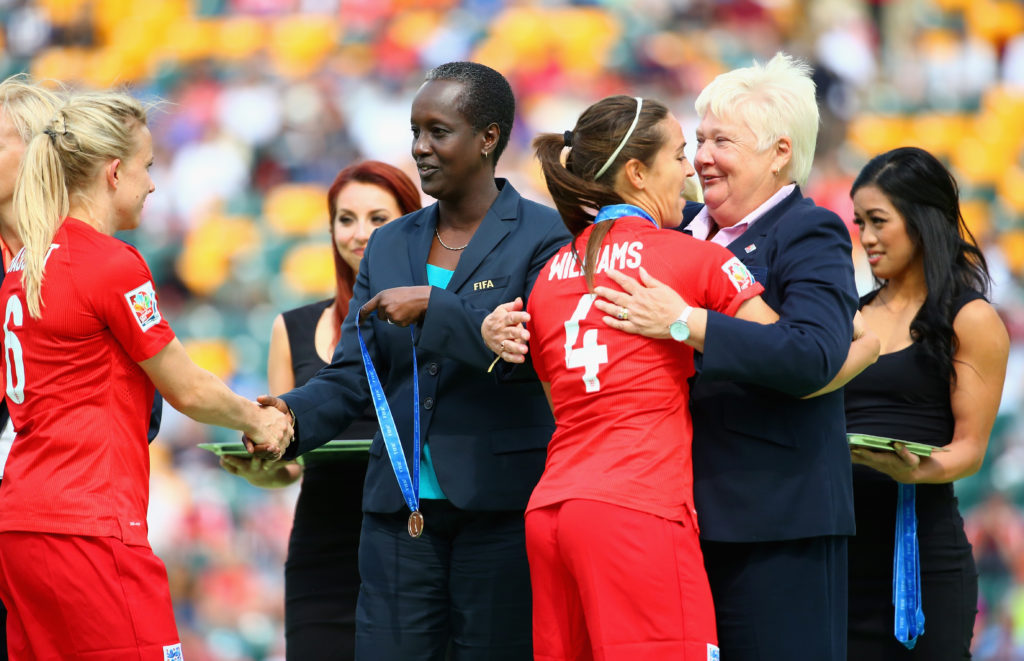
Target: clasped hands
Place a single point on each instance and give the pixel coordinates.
(272, 431)
(650, 308)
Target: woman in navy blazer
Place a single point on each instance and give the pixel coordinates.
(463, 586)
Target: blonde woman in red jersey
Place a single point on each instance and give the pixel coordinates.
(84, 345)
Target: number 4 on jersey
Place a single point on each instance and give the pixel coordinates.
(591, 355)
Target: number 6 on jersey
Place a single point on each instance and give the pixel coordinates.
(591, 355)
(12, 351)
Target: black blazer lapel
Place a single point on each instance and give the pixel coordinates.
(493, 228)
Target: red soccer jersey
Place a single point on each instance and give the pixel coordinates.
(623, 429)
(78, 399)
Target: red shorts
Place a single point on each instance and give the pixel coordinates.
(85, 598)
(612, 583)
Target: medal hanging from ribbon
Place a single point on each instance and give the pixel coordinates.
(408, 483)
(906, 571)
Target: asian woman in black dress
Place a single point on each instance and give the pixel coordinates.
(321, 573)
(937, 381)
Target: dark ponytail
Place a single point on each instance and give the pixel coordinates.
(598, 133)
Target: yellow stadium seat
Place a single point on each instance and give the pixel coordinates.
(409, 28)
(1012, 245)
(64, 64)
(1011, 190)
(205, 260)
(62, 12)
(874, 134)
(994, 21)
(108, 14)
(977, 217)
(983, 153)
(298, 44)
(938, 133)
(1002, 111)
(241, 37)
(190, 39)
(214, 355)
(528, 39)
(582, 38)
(308, 269)
(296, 209)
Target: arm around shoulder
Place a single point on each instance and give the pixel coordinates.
(812, 274)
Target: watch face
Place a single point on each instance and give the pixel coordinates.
(679, 331)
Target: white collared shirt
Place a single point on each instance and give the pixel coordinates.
(700, 226)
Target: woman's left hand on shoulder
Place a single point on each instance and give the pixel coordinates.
(647, 307)
(402, 306)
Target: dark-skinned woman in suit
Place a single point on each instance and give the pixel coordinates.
(462, 586)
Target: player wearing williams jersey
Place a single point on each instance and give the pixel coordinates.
(615, 562)
(84, 343)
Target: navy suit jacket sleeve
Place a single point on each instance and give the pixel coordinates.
(451, 326)
(812, 289)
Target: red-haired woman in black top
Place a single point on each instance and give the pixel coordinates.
(321, 573)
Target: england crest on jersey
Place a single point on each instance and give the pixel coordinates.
(738, 274)
(173, 653)
(142, 302)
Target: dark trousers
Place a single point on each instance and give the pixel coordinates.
(462, 589)
(778, 601)
(321, 575)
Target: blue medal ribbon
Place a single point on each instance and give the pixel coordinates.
(619, 210)
(410, 485)
(906, 571)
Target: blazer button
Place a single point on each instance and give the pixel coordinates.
(432, 369)
(428, 403)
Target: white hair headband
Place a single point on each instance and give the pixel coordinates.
(625, 139)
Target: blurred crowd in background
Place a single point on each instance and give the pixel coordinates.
(258, 103)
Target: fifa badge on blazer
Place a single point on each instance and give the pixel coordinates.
(483, 284)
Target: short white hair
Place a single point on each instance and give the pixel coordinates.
(774, 100)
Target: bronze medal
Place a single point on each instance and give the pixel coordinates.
(415, 524)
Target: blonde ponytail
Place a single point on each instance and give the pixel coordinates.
(40, 204)
(62, 161)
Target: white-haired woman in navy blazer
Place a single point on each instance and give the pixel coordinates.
(772, 483)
